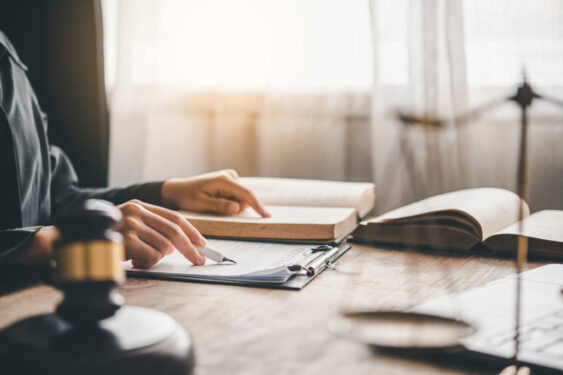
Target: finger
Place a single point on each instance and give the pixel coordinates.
(155, 239)
(220, 205)
(174, 234)
(142, 254)
(524, 371)
(147, 234)
(232, 173)
(243, 206)
(193, 234)
(243, 195)
(513, 370)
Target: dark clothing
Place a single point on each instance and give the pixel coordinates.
(36, 178)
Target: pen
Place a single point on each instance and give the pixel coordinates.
(213, 254)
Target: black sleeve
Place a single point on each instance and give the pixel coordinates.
(65, 189)
(13, 239)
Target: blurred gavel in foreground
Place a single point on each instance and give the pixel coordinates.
(91, 331)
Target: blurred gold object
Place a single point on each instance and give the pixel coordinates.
(90, 260)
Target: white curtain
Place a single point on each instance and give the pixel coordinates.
(414, 162)
(162, 132)
(326, 80)
(449, 57)
(164, 127)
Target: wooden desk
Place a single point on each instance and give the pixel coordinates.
(240, 330)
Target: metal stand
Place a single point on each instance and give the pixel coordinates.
(524, 97)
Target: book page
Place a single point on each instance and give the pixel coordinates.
(301, 192)
(492, 208)
(545, 225)
(250, 257)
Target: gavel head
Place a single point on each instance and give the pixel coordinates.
(88, 262)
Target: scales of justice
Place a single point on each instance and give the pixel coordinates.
(416, 332)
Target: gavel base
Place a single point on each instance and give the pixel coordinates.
(134, 341)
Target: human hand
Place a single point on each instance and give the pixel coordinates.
(514, 370)
(218, 192)
(39, 249)
(151, 232)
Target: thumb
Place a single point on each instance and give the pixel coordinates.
(221, 205)
(137, 263)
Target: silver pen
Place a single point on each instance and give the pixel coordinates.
(213, 254)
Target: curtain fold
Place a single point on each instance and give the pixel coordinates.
(163, 130)
(412, 162)
(415, 161)
(160, 132)
(430, 58)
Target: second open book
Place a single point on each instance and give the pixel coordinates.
(461, 219)
(302, 211)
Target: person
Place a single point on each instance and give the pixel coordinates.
(38, 180)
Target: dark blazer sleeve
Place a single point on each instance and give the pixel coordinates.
(13, 239)
(36, 178)
(65, 189)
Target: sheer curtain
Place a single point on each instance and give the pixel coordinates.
(460, 54)
(414, 162)
(268, 88)
(311, 88)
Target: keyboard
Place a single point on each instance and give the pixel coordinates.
(543, 335)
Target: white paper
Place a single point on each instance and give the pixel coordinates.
(256, 261)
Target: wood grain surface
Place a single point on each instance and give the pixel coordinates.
(242, 330)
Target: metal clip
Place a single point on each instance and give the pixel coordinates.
(321, 248)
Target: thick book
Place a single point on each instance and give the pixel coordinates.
(461, 219)
(302, 210)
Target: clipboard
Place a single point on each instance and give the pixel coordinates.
(319, 259)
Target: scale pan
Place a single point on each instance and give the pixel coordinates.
(402, 330)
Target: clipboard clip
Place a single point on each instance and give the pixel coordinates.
(321, 248)
(324, 257)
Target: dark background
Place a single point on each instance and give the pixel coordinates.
(61, 42)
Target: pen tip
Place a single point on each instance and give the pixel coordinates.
(225, 259)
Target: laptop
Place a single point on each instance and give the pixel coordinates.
(491, 309)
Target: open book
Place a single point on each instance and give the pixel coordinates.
(461, 219)
(302, 210)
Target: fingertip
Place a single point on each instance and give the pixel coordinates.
(200, 260)
(200, 241)
(233, 208)
(262, 211)
(137, 263)
(196, 258)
